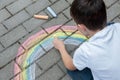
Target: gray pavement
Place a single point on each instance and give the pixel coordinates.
(17, 24)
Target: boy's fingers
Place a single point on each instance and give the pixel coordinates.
(55, 36)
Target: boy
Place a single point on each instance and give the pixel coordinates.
(99, 56)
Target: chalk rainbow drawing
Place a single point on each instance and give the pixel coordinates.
(31, 49)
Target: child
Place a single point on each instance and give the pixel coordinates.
(97, 58)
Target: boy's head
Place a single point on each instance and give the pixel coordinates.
(91, 13)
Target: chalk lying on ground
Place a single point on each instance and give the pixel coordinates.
(51, 12)
(41, 16)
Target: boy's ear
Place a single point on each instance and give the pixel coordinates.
(81, 27)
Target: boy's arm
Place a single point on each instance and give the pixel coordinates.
(67, 59)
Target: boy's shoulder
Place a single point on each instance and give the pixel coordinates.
(115, 24)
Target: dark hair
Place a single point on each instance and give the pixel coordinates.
(91, 13)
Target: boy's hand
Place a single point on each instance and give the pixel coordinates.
(58, 44)
(67, 59)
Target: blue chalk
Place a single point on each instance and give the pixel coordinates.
(51, 12)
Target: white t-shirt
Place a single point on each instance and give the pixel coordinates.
(101, 53)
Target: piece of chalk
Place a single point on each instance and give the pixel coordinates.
(51, 12)
(41, 16)
(54, 35)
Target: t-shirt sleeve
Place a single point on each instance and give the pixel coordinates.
(80, 59)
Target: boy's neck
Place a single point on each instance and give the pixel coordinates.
(92, 33)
